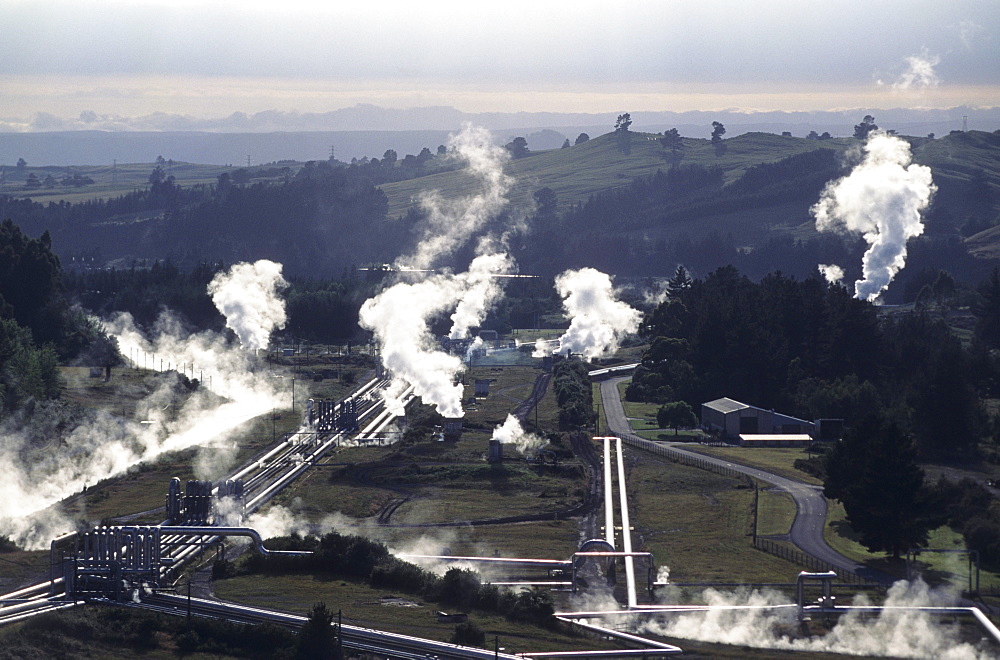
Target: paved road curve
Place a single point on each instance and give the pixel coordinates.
(810, 516)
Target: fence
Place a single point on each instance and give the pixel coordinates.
(765, 545)
(682, 459)
(812, 563)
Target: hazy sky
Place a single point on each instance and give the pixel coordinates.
(209, 59)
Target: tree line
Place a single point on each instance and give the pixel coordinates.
(38, 326)
(813, 350)
(356, 557)
(905, 384)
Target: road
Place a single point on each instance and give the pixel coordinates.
(810, 505)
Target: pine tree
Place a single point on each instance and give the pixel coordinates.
(874, 473)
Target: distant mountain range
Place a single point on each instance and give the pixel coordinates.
(368, 130)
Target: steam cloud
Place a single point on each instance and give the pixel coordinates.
(248, 297)
(452, 223)
(882, 198)
(919, 72)
(831, 273)
(400, 316)
(168, 418)
(893, 633)
(482, 290)
(511, 433)
(598, 320)
(968, 33)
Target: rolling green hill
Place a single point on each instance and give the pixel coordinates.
(599, 164)
(108, 181)
(630, 213)
(748, 212)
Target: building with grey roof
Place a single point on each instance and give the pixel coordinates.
(731, 419)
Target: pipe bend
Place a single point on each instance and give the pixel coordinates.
(248, 532)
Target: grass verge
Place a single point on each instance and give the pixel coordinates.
(779, 460)
(700, 524)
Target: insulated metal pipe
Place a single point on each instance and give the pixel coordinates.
(248, 532)
(609, 511)
(649, 643)
(626, 528)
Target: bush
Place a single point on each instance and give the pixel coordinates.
(317, 638)
(222, 569)
(574, 394)
(6, 545)
(534, 606)
(468, 634)
(402, 575)
(460, 587)
(982, 533)
(816, 466)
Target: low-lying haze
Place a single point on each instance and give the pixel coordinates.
(91, 58)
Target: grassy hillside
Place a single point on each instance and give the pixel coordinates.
(599, 164)
(108, 181)
(960, 156)
(751, 216)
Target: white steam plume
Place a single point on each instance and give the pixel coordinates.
(276, 521)
(831, 273)
(452, 223)
(598, 320)
(400, 319)
(657, 293)
(247, 296)
(919, 72)
(474, 345)
(400, 316)
(482, 290)
(511, 433)
(882, 198)
(893, 633)
(106, 446)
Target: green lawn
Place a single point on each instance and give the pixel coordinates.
(778, 460)
(775, 511)
(361, 606)
(642, 418)
(936, 568)
(700, 524)
(108, 181)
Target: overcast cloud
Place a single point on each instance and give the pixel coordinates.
(211, 59)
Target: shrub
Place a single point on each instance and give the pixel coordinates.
(396, 574)
(816, 466)
(468, 634)
(222, 569)
(6, 544)
(459, 587)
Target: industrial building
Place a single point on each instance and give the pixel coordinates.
(734, 420)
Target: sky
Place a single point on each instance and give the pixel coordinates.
(80, 58)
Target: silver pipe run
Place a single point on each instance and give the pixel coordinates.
(248, 532)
